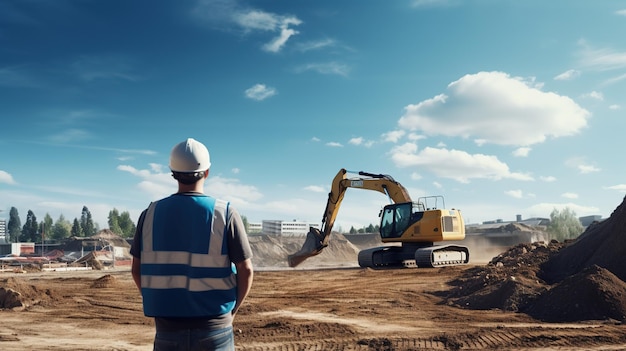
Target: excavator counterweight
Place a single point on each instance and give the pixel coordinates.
(416, 225)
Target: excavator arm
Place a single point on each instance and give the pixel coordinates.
(317, 239)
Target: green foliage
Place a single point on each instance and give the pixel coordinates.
(45, 227)
(86, 223)
(121, 224)
(564, 225)
(14, 225)
(127, 225)
(114, 221)
(76, 229)
(61, 229)
(30, 230)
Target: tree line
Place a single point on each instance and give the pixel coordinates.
(49, 230)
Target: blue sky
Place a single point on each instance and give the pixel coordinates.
(502, 107)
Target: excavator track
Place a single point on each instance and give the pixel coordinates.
(411, 257)
(442, 255)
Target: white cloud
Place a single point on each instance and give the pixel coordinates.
(585, 169)
(265, 21)
(260, 92)
(605, 59)
(360, 141)
(614, 107)
(620, 12)
(235, 170)
(581, 165)
(224, 14)
(315, 139)
(548, 179)
(6, 178)
(570, 195)
(594, 95)
(315, 188)
(454, 164)
(356, 141)
(568, 75)
(325, 68)
(493, 107)
(619, 187)
(334, 144)
(316, 45)
(518, 194)
(521, 152)
(393, 136)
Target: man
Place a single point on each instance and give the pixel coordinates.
(191, 260)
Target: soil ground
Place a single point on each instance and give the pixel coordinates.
(292, 309)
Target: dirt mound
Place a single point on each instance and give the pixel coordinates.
(106, 281)
(556, 282)
(509, 281)
(602, 244)
(593, 294)
(15, 293)
(273, 250)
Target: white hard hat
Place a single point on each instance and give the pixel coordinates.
(189, 156)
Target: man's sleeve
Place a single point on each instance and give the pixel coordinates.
(135, 248)
(238, 245)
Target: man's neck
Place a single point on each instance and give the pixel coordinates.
(198, 187)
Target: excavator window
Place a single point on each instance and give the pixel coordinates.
(395, 219)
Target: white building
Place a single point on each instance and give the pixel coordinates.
(255, 228)
(278, 227)
(3, 231)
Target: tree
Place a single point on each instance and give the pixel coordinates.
(86, 223)
(564, 225)
(61, 229)
(76, 229)
(370, 228)
(114, 221)
(45, 227)
(127, 225)
(15, 225)
(30, 228)
(352, 230)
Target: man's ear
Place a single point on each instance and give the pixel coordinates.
(206, 173)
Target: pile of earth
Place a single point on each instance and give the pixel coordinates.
(273, 250)
(16, 294)
(582, 279)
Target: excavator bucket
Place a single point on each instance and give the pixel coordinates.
(313, 245)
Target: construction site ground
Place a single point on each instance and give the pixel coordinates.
(302, 309)
(544, 295)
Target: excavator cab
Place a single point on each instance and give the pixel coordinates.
(395, 218)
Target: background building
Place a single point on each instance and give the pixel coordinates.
(278, 227)
(3, 231)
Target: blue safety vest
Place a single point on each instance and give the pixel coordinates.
(185, 266)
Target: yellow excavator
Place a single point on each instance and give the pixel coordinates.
(416, 225)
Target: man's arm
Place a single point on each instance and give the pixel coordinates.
(245, 275)
(136, 272)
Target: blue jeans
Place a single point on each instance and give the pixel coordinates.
(195, 340)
